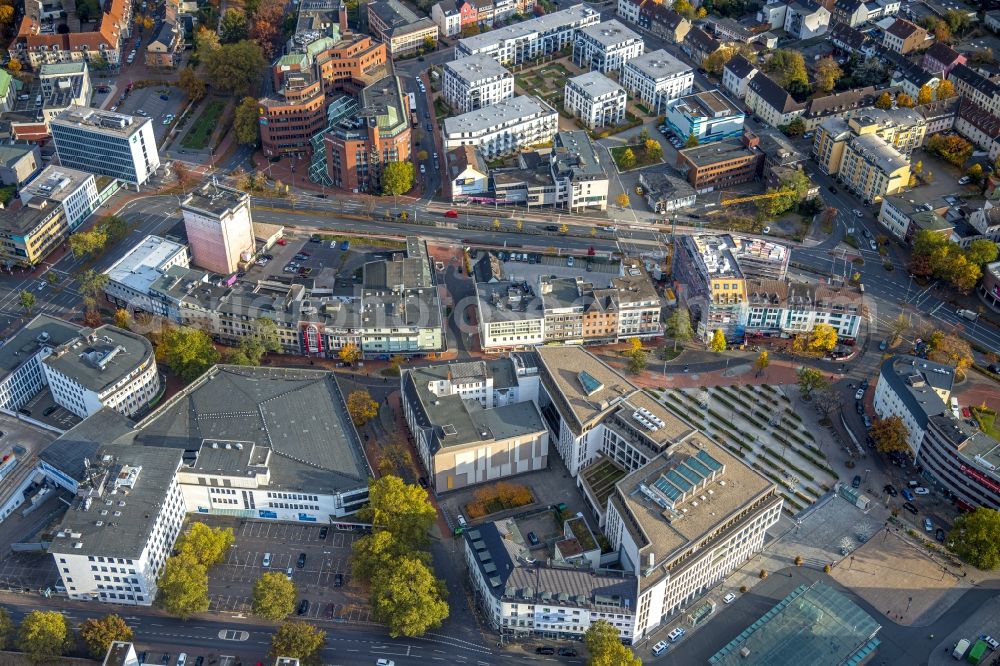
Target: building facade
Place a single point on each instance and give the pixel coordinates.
(75, 190)
(531, 39)
(106, 143)
(657, 78)
(722, 164)
(219, 228)
(708, 116)
(913, 389)
(606, 47)
(475, 82)
(503, 128)
(595, 99)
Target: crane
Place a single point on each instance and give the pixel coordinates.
(755, 197)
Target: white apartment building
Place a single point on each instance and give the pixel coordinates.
(606, 47)
(112, 543)
(776, 307)
(581, 182)
(475, 82)
(106, 143)
(448, 17)
(595, 99)
(510, 315)
(736, 76)
(913, 389)
(130, 278)
(219, 228)
(657, 78)
(21, 356)
(503, 128)
(528, 40)
(103, 367)
(75, 191)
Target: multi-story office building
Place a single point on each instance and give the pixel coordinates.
(606, 47)
(475, 422)
(657, 78)
(708, 116)
(106, 143)
(528, 40)
(872, 169)
(75, 191)
(219, 227)
(777, 307)
(581, 182)
(963, 460)
(63, 85)
(30, 232)
(394, 24)
(112, 543)
(354, 150)
(509, 314)
(712, 283)
(503, 128)
(130, 278)
(21, 356)
(913, 389)
(103, 367)
(292, 115)
(475, 82)
(595, 99)
(722, 164)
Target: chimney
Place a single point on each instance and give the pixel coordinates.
(343, 18)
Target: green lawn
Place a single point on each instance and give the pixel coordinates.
(987, 421)
(199, 134)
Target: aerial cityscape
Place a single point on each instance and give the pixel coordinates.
(482, 332)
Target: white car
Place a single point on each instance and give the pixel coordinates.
(660, 648)
(964, 180)
(676, 634)
(729, 598)
(873, 245)
(385, 662)
(858, 213)
(860, 394)
(766, 230)
(423, 169)
(920, 490)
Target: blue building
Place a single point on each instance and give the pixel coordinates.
(710, 116)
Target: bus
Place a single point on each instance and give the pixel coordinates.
(413, 101)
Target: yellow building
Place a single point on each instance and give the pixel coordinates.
(31, 232)
(901, 129)
(871, 168)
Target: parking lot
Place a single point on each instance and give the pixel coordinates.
(43, 408)
(231, 583)
(330, 267)
(150, 100)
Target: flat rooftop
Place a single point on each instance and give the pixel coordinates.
(610, 33)
(99, 358)
(508, 301)
(915, 380)
(475, 68)
(143, 264)
(658, 65)
(975, 445)
(718, 151)
(216, 200)
(649, 418)
(594, 84)
(714, 254)
(42, 331)
(812, 625)
(574, 154)
(117, 519)
(507, 112)
(707, 104)
(876, 151)
(549, 23)
(99, 120)
(586, 387)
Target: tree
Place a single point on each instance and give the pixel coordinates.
(93, 283)
(563, 229)
(377, 551)
(898, 327)
(123, 319)
(827, 72)
(890, 434)
(233, 27)
(622, 200)
(823, 338)
(637, 362)
(797, 127)
(918, 167)
(246, 125)
(6, 14)
(407, 598)
(399, 508)
(691, 141)
(99, 634)
(188, 352)
(273, 596)
(828, 400)
(350, 353)
(643, 135)
(679, 326)
(605, 646)
(884, 101)
(298, 640)
(718, 341)
(950, 350)
(975, 173)
(207, 545)
(634, 345)
(684, 8)
(422, 155)
(27, 301)
(262, 339)
(925, 95)
(205, 42)
(974, 538)
(235, 68)
(715, 62)
(981, 252)
(183, 586)
(654, 151)
(957, 21)
(810, 380)
(397, 178)
(44, 635)
(627, 160)
(762, 361)
(945, 90)
(6, 628)
(904, 101)
(87, 242)
(787, 67)
(361, 407)
(951, 148)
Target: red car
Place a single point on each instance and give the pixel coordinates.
(965, 412)
(282, 241)
(451, 213)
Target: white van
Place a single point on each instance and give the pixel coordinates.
(38, 100)
(660, 648)
(181, 658)
(267, 559)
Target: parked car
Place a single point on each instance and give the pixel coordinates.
(889, 490)
(301, 564)
(909, 507)
(989, 640)
(832, 189)
(939, 535)
(676, 634)
(766, 230)
(907, 494)
(660, 648)
(303, 607)
(920, 490)
(873, 245)
(882, 345)
(545, 649)
(859, 406)
(338, 580)
(964, 180)
(328, 611)
(567, 652)
(533, 539)
(867, 419)
(551, 227)
(928, 525)
(859, 394)
(729, 598)
(856, 481)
